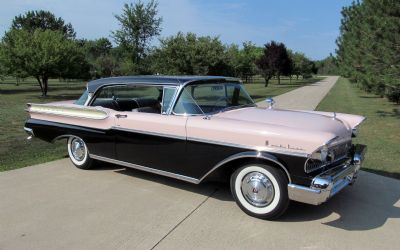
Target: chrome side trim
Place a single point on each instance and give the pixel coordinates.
(74, 112)
(257, 155)
(147, 169)
(259, 149)
(179, 137)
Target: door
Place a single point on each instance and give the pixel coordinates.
(151, 140)
(145, 134)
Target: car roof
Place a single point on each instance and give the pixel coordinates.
(92, 86)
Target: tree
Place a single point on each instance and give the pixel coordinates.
(275, 61)
(368, 46)
(328, 66)
(139, 24)
(42, 54)
(99, 55)
(44, 20)
(247, 57)
(189, 54)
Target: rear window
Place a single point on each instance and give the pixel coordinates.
(83, 98)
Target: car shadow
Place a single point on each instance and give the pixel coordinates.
(358, 208)
(206, 188)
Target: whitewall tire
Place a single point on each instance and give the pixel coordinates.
(78, 153)
(260, 190)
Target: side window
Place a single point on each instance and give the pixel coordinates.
(186, 104)
(130, 98)
(168, 94)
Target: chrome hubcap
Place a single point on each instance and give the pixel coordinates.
(78, 149)
(257, 189)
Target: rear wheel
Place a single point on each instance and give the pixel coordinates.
(260, 190)
(78, 153)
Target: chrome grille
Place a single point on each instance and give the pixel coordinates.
(312, 165)
(339, 151)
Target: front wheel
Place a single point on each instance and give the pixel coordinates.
(78, 153)
(260, 190)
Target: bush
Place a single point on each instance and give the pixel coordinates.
(393, 94)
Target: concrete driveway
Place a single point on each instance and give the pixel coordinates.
(56, 206)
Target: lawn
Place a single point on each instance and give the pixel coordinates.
(258, 92)
(380, 132)
(17, 152)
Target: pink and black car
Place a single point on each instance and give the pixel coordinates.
(198, 128)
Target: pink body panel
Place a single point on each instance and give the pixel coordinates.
(168, 125)
(288, 131)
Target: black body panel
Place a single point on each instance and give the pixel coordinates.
(158, 152)
(176, 155)
(99, 142)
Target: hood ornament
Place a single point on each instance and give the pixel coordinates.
(270, 101)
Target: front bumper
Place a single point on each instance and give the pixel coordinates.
(329, 183)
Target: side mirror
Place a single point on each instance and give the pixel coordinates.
(270, 101)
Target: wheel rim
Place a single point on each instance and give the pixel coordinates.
(257, 189)
(78, 149)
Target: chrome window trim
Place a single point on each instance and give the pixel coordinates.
(168, 112)
(142, 84)
(182, 86)
(89, 97)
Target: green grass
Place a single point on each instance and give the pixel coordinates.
(380, 132)
(17, 152)
(258, 92)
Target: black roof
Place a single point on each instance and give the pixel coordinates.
(153, 79)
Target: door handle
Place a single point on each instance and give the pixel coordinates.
(121, 116)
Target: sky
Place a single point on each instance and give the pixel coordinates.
(308, 26)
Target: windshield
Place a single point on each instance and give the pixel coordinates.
(212, 98)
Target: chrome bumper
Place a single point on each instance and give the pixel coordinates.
(329, 183)
(29, 131)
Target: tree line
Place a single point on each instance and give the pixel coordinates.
(369, 46)
(41, 45)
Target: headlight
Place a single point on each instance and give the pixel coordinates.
(320, 154)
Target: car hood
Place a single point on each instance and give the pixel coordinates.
(299, 120)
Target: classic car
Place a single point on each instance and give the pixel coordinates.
(198, 128)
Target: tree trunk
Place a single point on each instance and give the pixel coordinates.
(40, 84)
(45, 81)
(267, 80)
(279, 79)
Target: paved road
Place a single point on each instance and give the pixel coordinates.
(56, 206)
(304, 98)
